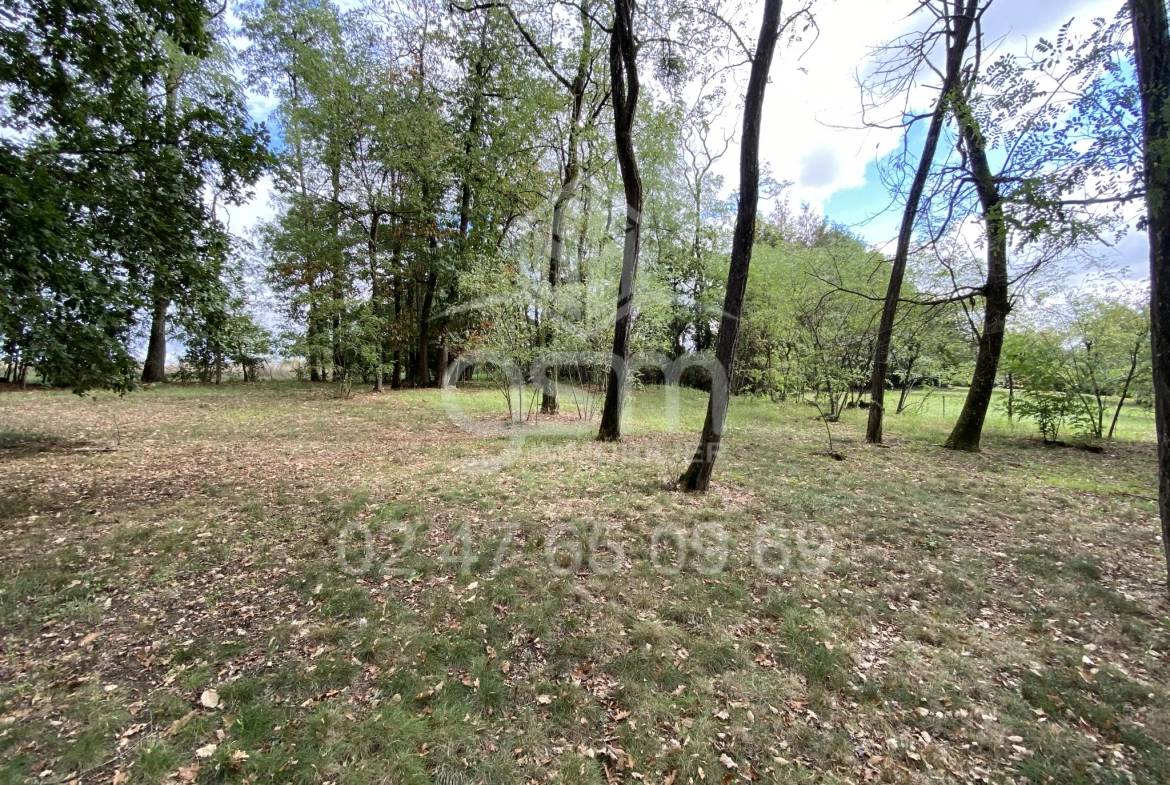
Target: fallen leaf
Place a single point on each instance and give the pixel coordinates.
(727, 762)
(88, 639)
(209, 698)
(178, 724)
(544, 700)
(207, 751)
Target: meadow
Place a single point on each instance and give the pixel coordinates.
(272, 583)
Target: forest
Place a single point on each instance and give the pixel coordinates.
(419, 391)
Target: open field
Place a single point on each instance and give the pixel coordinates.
(267, 583)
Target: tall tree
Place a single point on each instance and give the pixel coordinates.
(997, 303)
(957, 18)
(586, 98)
(98, 196)
(154, 368)
(1152, 49)
(698, 475)
(624, 89)
(1038, 147)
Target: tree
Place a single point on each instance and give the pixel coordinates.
(1056, 127)
(624, 89)
(957, 21)
(1106, 346)
(698, 475)
(1151, 35)
(101, 183)
(997, 304)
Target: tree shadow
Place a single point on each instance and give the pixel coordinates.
(15, 444)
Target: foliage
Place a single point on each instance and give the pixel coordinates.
(1081, 361)
(803, 333)
(103, 165)
(1051, 410)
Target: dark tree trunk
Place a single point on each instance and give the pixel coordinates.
(623, 71)
(959, 24)
(155, 368)
(1152, 49)
(1133, 361)
(376, 301)
(1011, 401)
(698, 475)
(423, 377)
(338, 284)
(314, 330)
(969, 427)
(907, 386)
(396, 377)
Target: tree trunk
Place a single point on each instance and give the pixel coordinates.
(1152, 50)
(623, 71)
(423, 376)
(396, 374)
(314, 335)
(960, 25)
(154, 369)
(548, 403)
(376, 301)
(698, 475)
(1133, 361)
(338, 284)
(1011, 402)
(907, 386)
(583, 234)
(969, 427)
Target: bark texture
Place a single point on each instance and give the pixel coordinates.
(154, 369)
(1152, 50)
(698, 475)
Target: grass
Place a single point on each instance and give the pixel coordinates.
(404, 588)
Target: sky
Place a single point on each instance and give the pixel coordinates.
(811, 133)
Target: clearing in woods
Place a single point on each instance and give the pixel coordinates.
(268, 584)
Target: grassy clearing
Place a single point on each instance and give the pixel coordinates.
(378, 596)
(1134, 423)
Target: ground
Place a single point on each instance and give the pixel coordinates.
(269, 583)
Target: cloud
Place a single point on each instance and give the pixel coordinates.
(818, 168)
(243, 218)
(812, 106)
(812, 132)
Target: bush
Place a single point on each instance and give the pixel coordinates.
(1052, 410)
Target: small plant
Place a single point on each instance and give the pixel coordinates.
(1051, 410)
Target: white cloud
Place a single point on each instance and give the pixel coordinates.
(811, 131)
(243, 218)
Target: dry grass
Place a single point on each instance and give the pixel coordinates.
(998, 617)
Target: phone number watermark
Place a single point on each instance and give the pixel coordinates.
(568, 548)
